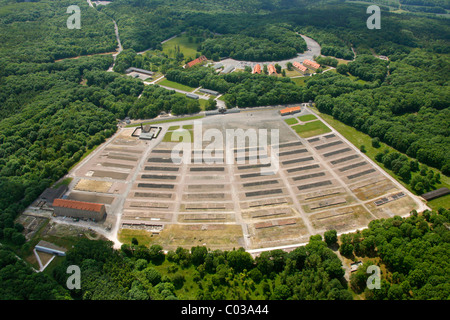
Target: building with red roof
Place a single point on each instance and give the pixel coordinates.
(257, 69)
(290, 110)
(271, 69)
(196, 61)
(79, 209)
(311, 64)
(300, 67)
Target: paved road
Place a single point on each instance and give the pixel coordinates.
(312, 51)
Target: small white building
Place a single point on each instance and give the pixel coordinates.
(48, 247)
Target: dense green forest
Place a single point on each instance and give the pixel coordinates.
(411, 253)
(414, 252)
(270, 43)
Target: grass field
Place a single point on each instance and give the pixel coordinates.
(168, 136)
(189, 50)
(291, 121)
(64, 182)
(307, 117)
(175, 85)
(311, 129)
(358, 138)
(293, 73)
(142, 236)
(224, 237)
(299, 81)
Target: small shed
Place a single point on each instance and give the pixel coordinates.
(48, 247)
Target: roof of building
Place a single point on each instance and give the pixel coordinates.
(311, 64)
(290, 109)
(215, 93)
(138, 70)
(299, 66)
(257, 69)
(192, 96)
(50, 194)
(271, 69)
(436, 193)
(79, 205)
(196, 61)
(228, 69)
(48, 245)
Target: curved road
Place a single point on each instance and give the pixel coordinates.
(312, 51)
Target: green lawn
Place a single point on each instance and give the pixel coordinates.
(168, 136)
(311, 129)
(64, 182)
(307, 117)
(175, 85)
(291, 121)
(358, 138)
(188, 49)
(299, 81)
(203, 103)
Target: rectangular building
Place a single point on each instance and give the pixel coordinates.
(300, 67)
(50, 194)
(79, 209)
(207, 91)
(143, 71)
(48, 247)
(227, 69)
(196, 61)
(290, 110)
(435, 193)
(192, 96)
(311, 64)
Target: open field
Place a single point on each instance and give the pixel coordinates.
(307, 117)
(93, 185)
(175, 85)
(291, 121)
(300, 81)
(188, 49)
(311, 129)
(182, 132)
(213, 236)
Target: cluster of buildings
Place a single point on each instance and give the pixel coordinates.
(303, 68)
(307, 64)
(311, 64)
(55, 199)
(270, 69)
